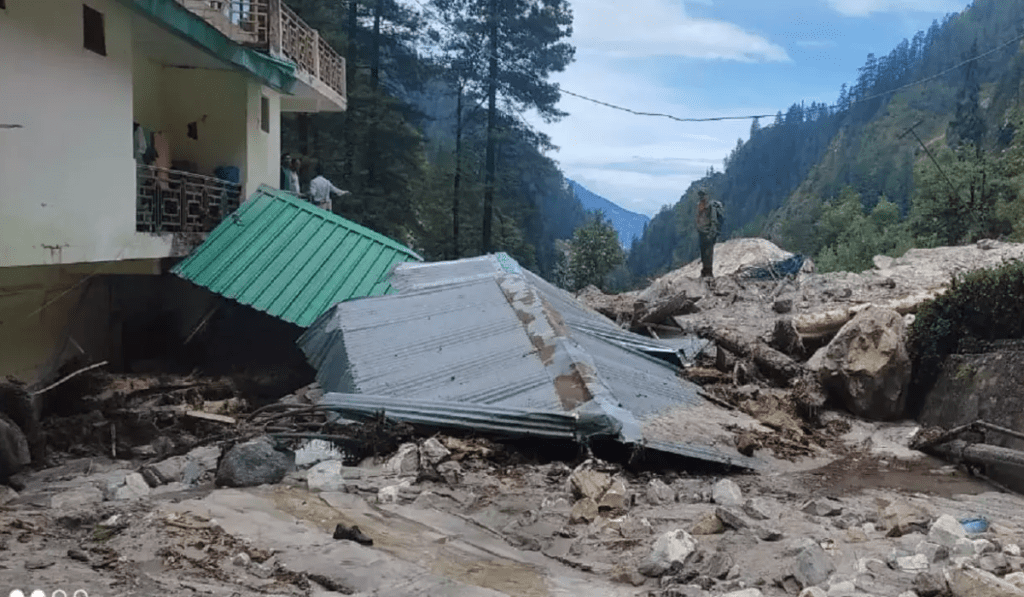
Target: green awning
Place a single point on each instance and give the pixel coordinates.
(180, 21)
(292, 260)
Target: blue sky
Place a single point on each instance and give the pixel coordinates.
(702, 58)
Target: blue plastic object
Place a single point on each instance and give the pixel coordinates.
(974, 525)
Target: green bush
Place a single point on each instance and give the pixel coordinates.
(980, 307)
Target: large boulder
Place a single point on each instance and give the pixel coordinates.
(14, 453)
(867, 366)
(255, 462)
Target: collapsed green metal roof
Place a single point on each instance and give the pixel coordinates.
(180, 21)
(292, 260)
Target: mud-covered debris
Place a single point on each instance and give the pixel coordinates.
(727, 493)
(451, 472)
(405, 462)
(812, 566)
(351, 533)
(586, 482)
(584, 510)
(670, 548)
(326, 476)
(708, 523)
(822, 507)
(946, 531)
(616, 498)
(660, 493)
(433, 452)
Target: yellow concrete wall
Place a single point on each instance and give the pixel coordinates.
(217, 102)
(264, 150)
(67, 177)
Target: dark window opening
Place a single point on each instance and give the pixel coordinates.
(95, 38)
(3, 4)
(265, 114)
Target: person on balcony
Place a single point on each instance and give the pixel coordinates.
(293, 177)
(320, 190)
(286, 172)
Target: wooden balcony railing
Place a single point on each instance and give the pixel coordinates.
(271, 26)
(175, 201)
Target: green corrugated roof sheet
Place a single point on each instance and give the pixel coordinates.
(292, 260)
(180, 21)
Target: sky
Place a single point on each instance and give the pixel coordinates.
(705, 58)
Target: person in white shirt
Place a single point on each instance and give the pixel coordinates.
(293, 177)
(320, 190)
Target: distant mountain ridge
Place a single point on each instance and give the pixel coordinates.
(629, 225)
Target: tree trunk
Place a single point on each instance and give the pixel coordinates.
(769, 360)
(458, 176)
(374, 112)
(490, 162)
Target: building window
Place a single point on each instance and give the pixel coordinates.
(265, 114)
(3, 4)
(95, 38)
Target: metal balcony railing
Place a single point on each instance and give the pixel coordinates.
(175, 201)
(271, 26)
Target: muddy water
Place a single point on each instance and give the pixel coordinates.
(858, 472)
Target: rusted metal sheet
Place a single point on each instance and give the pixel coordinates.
(482, 344)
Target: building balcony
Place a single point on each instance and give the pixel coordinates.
(272, 27)
(172, 201)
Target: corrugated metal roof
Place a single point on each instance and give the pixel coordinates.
(292, 260)
(480, 344)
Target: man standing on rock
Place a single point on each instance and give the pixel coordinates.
(710, 216)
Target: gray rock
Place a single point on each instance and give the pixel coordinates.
(670, 548)
(745, 593)
(867, 366)
(134, 487)
(964, 548)
(406, 461)
(842, 589)
(933, 551)
(823, 507)
(902, 518)
(727, 493)
(1015, 578)
(585, 482)
(782, 306)
(76, 498)
(433, 452)
(996, 563)
(616, 497)
(946, 531)
(451, 471)
(326, 476)
(7, 495)
(930, 584)
(757, 509)
(768, 534)
(812, 566)
(584, 510)
(14, 452)
(253, 463)
(914, 563)
(730, 518)
(972, 582)
(660, 493)
(813, 592)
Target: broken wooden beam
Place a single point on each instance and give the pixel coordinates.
(769, 360)
(679, 304)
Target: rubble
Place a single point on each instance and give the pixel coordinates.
(326, 476)
(256, 462)
(671, 548)
(727, 493)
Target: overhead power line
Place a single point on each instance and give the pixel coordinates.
(437, 20)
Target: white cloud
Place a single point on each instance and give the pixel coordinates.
(662, 28)
(863, 8)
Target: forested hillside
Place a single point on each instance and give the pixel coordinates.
(629, 225)
(431, 147)
(846, 181)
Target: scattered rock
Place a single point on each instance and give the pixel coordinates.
(745, 593)
(867, 365)
(964, 547)
(757, 509)
(933, 551)
(902, 519)
(588, 483)
(659, 493)
(972, 582)
(253, 463)
(842, 589)
(616, 498)
(914, 563)
(315, 451)
(782, 306)
(768, 534)
(1014, 578)
(1010, 549)
(584, 510)
(134, 487)
(995, 563)
(326, 476)
(707, 523)
(812, 566)
(14, 452)
(406, 461)
(76, 498)
(727, 493)
(241, 560)
(823, 507)
(391, 493)
(433, 452)
(730, 518)
(7, 495)
(813, 592)
(930, 584)
(628, 575)
(946, 531)
(670, 548)
(984, 546)
(451, 471)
